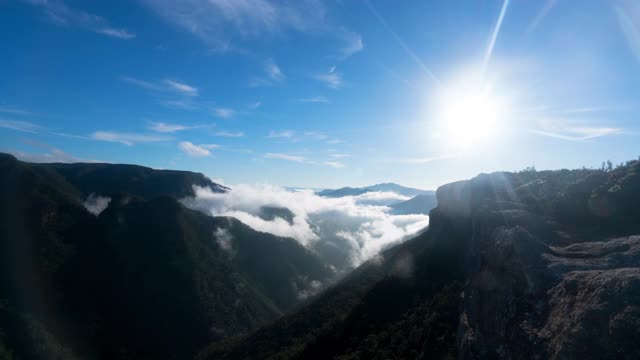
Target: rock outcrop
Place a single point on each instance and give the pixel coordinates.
(549, 275)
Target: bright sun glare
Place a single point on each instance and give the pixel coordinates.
(469, 119)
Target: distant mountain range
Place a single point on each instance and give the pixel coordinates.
(385, 187)
(420, 204)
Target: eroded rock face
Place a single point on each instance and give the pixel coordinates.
(549, 277)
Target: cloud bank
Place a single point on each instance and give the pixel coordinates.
(344, 231)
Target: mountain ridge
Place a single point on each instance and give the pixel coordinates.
(383, 187)
(176, 277)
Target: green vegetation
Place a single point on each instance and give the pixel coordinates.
(144, 279)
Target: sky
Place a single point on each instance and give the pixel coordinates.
(322, 94)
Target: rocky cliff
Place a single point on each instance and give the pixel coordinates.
(553, 267)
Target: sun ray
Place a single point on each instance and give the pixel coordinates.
(402, 44)
(494, 37)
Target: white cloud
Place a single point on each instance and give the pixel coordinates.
(380, 198)
(287, 157)
(288, 134)
(230, 133)
(224, 239)
(171, 128)
(419, 160)
(340, 156)
(142, 83)
(351, 225)
(23, 126)
(333, 164)
(354, 43)
(182, 87)
(127, 138)
(118, 33)
(224, 112)
(572, 131)
(166, 85)
(332, 78)
(13, 110)
(273, 75)
(315, 99)
(273, 70)
(167, 128)
(303, 160)
(185, 103)
(316, 135)
(210, 146)
(312, 288)
(193, 150)
(221, 22)
(63, 15)
(96, 204)
(255, 105)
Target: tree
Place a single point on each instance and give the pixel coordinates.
(609, 165)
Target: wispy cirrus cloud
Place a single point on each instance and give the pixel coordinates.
(572, 130)
(166, 85)
(63, 15)
(287, 157)
(315, 99)
(316, 135)
(23, 126)
(418, 159)
(272, 76)
(287, 134)
(181, 87)
(273, 70)
(232, 134)
(163, 127)
(333, 164)
(193, 150)
(221, 23)
(332, 78)
(293, 136)
(354, 43)
(303, 160)
(14, 110)
(579, 133)
(223, 112)
(128, 139)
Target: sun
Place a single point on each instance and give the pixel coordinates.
(470, 118)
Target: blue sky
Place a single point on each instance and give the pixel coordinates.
(322, 93)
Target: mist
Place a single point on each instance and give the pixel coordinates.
(344, 231)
